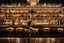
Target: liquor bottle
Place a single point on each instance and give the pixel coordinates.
(55, 22)
(16, 22)
(50, 22)
(59, 22)
(6, 22)
(10, 22)
(56, 15)
(62, 22)
(7, 11)
(13, 21)
(22, 15)
(1, 21)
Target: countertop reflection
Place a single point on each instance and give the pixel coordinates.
(31, 40)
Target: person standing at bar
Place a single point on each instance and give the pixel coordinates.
(29, 24)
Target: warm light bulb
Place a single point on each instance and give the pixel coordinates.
(28, 0)
(44, 4)
(33, 2)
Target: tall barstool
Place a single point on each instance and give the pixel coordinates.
(46, 31)
(19, 31)
(10, 31)
(35, 32)
(60, 31)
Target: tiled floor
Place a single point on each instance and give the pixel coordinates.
(31, 40)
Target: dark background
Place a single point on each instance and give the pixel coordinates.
(24, 1)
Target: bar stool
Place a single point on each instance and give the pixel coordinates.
(10, 31)
(35, 32)
(40, 32)
(60, 31)
(19, 31)
(4, 32)
(46, 31)
(27, 32)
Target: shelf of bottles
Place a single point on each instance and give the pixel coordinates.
(41, 16)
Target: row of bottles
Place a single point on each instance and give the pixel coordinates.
(14, 11)
(34, 15)
(26, 11)
(49, 15)
(20, 21)
(14, 15)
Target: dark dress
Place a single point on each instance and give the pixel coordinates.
(28, 25)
